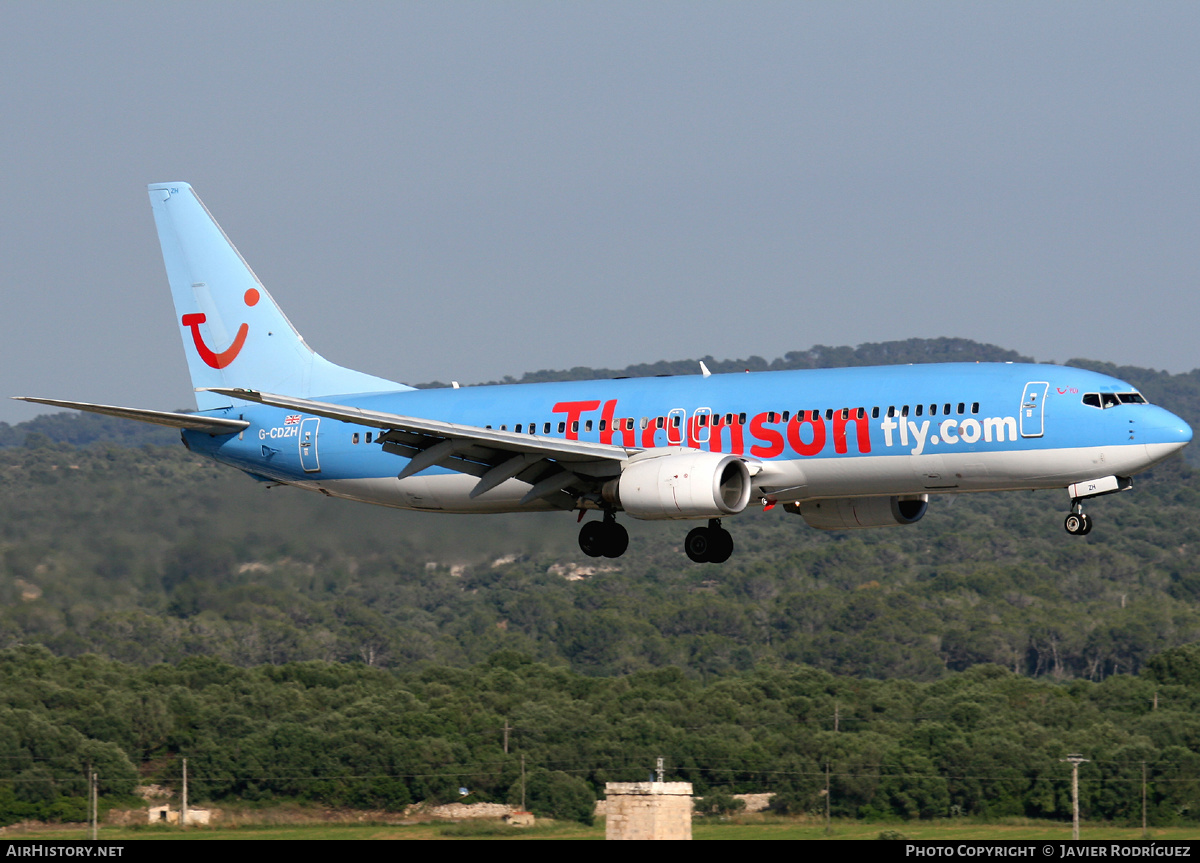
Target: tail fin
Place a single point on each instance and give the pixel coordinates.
(234, 335)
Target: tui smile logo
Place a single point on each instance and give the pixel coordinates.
(214, 359)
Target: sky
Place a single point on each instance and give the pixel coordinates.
(437, 191)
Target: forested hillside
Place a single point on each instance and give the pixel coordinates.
(154, 606)
(984, 743)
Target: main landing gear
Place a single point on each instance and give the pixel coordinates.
(604, 538)
(711, 544)
(1077, 523)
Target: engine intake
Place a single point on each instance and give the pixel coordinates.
(856, 513)
(684, 483)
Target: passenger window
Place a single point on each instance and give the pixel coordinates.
(962, 408)
(741, 419)
(518, 428)
(545, 428)
(946, 409)
(603, 424)
(562, 427)
(785, 416)
(920, 408)
(354, 438)
(904, 411)
(829, 413)
(974, 407)
(588, 425)
(891, 410)
(933, 410)
(368, 437)
(875, 413)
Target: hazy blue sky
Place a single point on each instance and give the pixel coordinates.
(468, 190)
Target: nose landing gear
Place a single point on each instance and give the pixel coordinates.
(604, 538)
(1077, 523)
(711, 544)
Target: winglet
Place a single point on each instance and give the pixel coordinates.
(704, 370)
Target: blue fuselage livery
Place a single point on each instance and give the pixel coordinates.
(843, 448)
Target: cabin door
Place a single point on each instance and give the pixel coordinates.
(1033, 408)
(308, 444)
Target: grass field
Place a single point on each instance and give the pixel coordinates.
(742, 828)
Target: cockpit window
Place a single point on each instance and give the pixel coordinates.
(1111, 400)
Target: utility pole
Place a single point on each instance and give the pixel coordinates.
(523, 809)
(1145, 835)
(828, 817)
(1075, 759)
(658, 770)
(506, 735)
(183, 805)
(95, 795)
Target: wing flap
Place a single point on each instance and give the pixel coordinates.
(421, 434)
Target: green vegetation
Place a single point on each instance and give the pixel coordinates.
(154, 606)
(983, 743)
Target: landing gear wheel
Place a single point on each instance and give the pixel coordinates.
(603, 539)
(1078, 524)
(722, 546)
(617, 540)
(697, 544)
(592, 538)
(711, 544)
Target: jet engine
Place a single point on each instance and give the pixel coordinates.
(853, 513)
(684, 483)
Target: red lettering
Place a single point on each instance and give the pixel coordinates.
(674, 432)
(609, 426)
(651, 430)
(573, 410)
(818, 433)
(772, 439)
(736, 447)
(862, 431)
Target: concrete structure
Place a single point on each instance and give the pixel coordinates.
(167, 815)
(648, 810)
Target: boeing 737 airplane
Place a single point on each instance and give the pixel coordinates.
(842, 448)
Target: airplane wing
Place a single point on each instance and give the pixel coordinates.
(193, 422)
(549, 465)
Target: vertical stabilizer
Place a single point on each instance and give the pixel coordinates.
(234, 335)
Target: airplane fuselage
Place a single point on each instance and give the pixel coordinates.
(891, 430)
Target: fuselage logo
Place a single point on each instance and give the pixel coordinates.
(219, 359)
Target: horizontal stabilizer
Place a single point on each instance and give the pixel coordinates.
(193, 422)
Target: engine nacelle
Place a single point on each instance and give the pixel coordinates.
(681, 483)
(855, 513)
